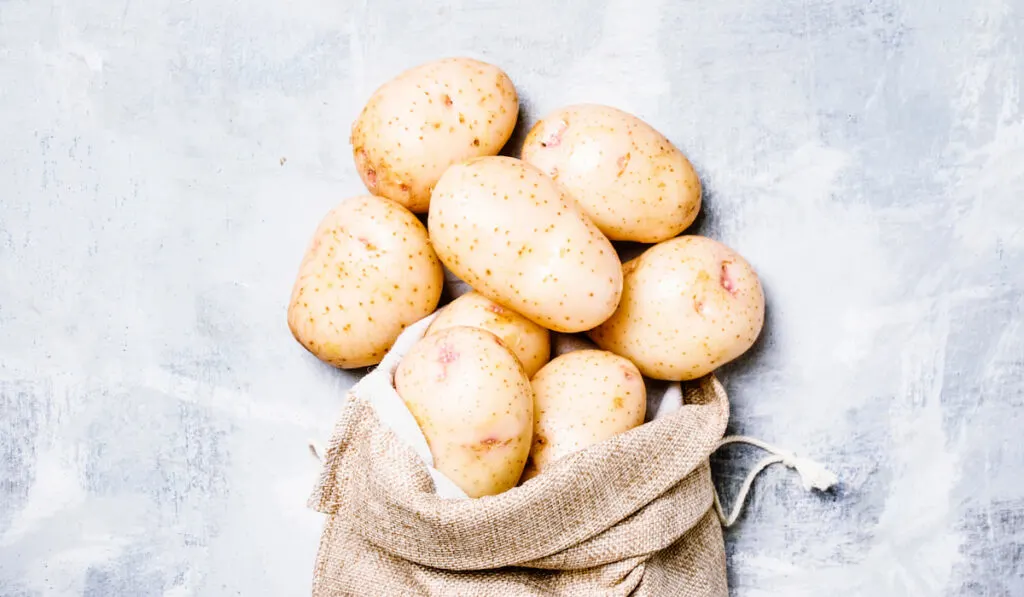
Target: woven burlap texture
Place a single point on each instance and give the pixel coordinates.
(629, 516)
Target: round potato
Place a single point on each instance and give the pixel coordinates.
(368, 273)
(582, 398)
(473, 402)
(428, 118)
(512, 233)
(528, 341)
(632, 182)
(689, 305)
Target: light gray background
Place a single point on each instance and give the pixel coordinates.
(163, 163)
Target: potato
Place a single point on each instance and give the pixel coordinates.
(689, 305)
(582, 398)
(368, 273)
(513, 234)
(632, 182)
(427, 118)
(473, 402)
(528, 341)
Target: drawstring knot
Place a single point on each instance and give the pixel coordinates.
(813, 475)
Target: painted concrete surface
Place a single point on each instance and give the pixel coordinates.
(163, 164)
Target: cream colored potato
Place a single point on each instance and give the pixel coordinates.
(632, 181)
(582, 398)
(473, 402)
(530, 342)
(368, 273)
(513, 234)
(428, 118)
(689, 305)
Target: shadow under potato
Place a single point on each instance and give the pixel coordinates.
(514, 146)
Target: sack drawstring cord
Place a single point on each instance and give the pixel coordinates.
(813, 475)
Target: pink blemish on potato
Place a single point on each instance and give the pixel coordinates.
(698, 306)
(627, 374)
(622, 162)
(489, 443)
(366, 243)
(554, 137)
(445, 356)
(553, 173)
(725, 279)
(447, 101)
(498, 309)
(369, 174)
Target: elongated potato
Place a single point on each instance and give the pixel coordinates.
(473, 402)
(632, 181)
(513, 234)
(689, 305)
(368, 273)
(530, 342)
(582, 398)
(428, 118)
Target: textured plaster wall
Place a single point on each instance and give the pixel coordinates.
(163, 163)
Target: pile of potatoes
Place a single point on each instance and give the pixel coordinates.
(533, 239)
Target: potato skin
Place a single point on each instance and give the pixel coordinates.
(582, 398)
(530, 342)
(631, 180)
(512, 233)
(368, 272)
(425, 119)
(473, 402)
(689, 305)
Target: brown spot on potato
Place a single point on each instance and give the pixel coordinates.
(447, 101)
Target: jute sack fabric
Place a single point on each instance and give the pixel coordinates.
(632, 515)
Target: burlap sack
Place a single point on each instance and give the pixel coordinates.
(629, 516)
